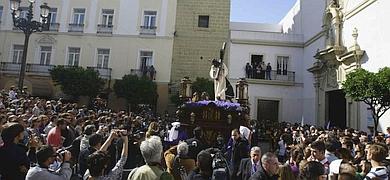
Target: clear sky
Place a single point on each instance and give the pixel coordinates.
(259, 11)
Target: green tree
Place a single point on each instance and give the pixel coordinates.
(136, 90)
(200, 85)
(371, 88)
(77, 81)
(203, 85)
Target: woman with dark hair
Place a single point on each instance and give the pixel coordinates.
(14, 161)
(313, 170)
(296, 156)
(99, 161)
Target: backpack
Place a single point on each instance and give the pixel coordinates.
(220, 167)
(178, 169)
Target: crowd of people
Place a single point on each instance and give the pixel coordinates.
(54, 139)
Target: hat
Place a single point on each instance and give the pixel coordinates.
(176, 124)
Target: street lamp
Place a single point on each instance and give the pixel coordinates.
(242, 91)
(185, 88)
(28, 26)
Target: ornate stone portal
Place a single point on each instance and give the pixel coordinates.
(331, 66)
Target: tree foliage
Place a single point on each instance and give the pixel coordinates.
(199, 85)
(203, 85)
(371, 88)
(136, 90)
(77, 81)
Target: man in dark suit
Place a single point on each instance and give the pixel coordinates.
(239, 151)
(250, 166)
(270, 166)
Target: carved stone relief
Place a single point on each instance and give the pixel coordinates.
(332, 77)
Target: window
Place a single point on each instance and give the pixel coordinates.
(146, 58)
(17, 53)
(203, 21)
(281, 65)
(73, 56)
(103, 58)
(53, 15)
(150, 19)
(1, 12)
(45, 55)
(256, 60)
(78, 16)
(107, 17)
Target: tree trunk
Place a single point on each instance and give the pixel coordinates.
(376, 122)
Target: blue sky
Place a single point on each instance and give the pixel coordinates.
(259, 11)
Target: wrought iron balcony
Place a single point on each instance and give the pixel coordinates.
(32, 69)
(104, 73)
(10, 67)
(54, 26)
(76, 28)
(39, 69)
(137, 72)
(275, 76)
(148, 30)
(104, 28)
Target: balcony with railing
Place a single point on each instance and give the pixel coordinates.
(10, 67)
(104, 29)
(282, 77)
(31, 69)
(138, 72)
(39, 69)
(148, 30)
(54, 26)
(76, 28)
(104, 73)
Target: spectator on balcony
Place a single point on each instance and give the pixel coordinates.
(144, 71)
(268, 71)
(258, 71)
(152, 72)
(248, 70)
(262, 72)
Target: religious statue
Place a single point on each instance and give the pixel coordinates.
(218, 72)
(223, 90)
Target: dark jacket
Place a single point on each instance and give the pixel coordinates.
(262, 175)
(195, 175)
(245, 169)
(12, 158)
(83, 156)
(240, 150)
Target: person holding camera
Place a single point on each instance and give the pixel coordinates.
(46, 156)
(99, 160)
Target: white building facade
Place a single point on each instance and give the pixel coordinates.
(322, 42)
(115, 37)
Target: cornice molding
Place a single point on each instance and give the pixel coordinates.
(359, 8)
(267, 43)
(314, 38)
(93, 35)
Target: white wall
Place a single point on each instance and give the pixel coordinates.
(291, 23)
(246, 42)
(372, 23)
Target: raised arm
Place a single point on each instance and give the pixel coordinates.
(108, 142)
(125, 145)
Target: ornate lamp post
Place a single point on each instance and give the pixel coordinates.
(28, 26)
(185, 89)
(242, 91)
